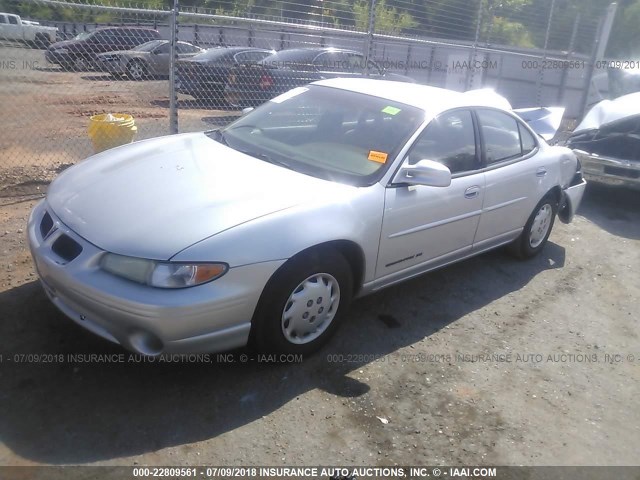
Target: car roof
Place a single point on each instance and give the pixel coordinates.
(238, 49)
(432, 100)
(123, 27)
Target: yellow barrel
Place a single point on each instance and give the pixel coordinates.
(109, 130)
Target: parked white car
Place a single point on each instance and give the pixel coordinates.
(264, 231)
(12, 27)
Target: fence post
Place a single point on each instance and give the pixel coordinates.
(474, 52)
(173, 96)
(599, 47)
(565, 71)
(544, 55)
(369, 42)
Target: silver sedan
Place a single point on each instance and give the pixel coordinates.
(148, 60)
(263, 232)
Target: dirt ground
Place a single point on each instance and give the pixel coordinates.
(492, 361)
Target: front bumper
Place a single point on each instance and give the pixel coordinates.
(609, 170)
(212, 317)
(571, 198)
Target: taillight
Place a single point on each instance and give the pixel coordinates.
(266, 81)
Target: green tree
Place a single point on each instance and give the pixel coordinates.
(624, 42)
(387, 19)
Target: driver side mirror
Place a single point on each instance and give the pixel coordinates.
(425, 172)
(246, 110)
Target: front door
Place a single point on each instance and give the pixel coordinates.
(430, 225)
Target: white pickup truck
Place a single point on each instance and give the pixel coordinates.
(12, 27)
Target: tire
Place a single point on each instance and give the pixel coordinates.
(303, 303)
(137, 70)
(41, 41)
(80, 64)
(536, 231)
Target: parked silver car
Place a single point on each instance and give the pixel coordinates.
(264, 231)
(151, 59)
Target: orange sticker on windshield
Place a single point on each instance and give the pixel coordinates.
(379, 157)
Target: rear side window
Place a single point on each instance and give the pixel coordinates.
(3, 19)
(250, 57)
(501, 135)
(528, 142)
(186, 48)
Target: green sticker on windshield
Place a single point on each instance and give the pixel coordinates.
(391, 110)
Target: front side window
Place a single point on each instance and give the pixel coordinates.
(449, 139)
(165, 49)
(326, 132)
(13, 20)
(501, 135)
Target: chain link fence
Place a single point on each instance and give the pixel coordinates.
(89, 76)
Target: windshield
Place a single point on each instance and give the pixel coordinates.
(326, 132)
(83, 36)
(147, 47)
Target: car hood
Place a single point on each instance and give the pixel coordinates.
(63, 44)
(157, 197)
(610, 111)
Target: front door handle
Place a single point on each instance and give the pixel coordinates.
(472, 192)
(541, 172)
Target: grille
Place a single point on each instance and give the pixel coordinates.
(46, 224)
(66, 247)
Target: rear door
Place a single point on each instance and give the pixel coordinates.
(515, 176)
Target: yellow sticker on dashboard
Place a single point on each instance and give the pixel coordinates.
(391, 110)
(379, 157)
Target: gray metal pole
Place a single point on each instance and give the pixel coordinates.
(369, 42)
(173, 95)
(602, 38)
(606, 31)
(469, 82)
(544, 55)
(565, 71)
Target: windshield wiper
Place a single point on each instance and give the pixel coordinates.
(266, 158)
(219, 137)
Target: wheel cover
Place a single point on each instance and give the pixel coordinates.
(81, 64)
(540, 226)
(136, 70)
(310, 308)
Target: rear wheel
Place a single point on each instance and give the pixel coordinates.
(81, 64)
(137, 70)
(537, 229)
(41, 41)
(302, 305)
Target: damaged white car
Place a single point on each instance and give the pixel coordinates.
(263, 231)
(607, 141)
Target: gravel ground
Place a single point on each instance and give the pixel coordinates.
(490, 361)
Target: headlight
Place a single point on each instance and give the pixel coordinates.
(60, 51)
(162, 274)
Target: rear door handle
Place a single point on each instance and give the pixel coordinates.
(541, 172)
(472, 192)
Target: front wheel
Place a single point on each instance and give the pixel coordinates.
(137, 70)
(536, 231)
(302, 305)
